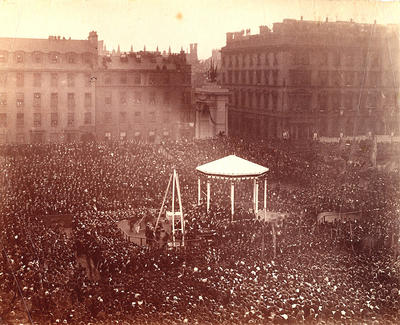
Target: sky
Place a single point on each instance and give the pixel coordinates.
(175, 23)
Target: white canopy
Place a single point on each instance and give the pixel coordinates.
(232, 167)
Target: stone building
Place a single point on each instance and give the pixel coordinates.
(143, 96)
(46, 93)
(307, 79)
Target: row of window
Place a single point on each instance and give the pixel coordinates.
(154, 78)
(303, 57)
(252, 77)
(302, 101)
(304, 78)
(39, 57)
(152, 98)
(124, 117)
(38, 121)
(37, 100)
(55, 81)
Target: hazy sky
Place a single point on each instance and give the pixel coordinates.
(174, 22)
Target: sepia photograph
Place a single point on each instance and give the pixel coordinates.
(200, 162)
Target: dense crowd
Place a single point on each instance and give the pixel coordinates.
(246, 271)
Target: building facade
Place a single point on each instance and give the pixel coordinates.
(46, 93)
(58, 89)
(307, 79)
(144, 96)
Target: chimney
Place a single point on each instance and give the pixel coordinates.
(301, 18)
(326, 19)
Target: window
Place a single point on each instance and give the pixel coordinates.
(137, 78)
(138, 116)
(274, 100)
(3, 120)
(348, 101)
(37, 119)
(348, 78)
(54, 100)
(266, 62)
(54, 79)
(251, 77)
(87, 119)
(323, 101)
(19, 57)
(70, 119)
(107, 117)
(266, 100)
(36, 100)
(3, 79)
(138, 97)
(306, 59)
(20, 119)
(37, 57)
(20, 79)
(166, 116)
(107, 79)
(152, 116)
(54, 119)
(71, 100)
(54, 57)
(258, 76)
(122, 135)
(3, 99)
(337, 78)
(166, 98)
(323, 58)
(266, 77)
(88, 99)
(152, 98)
(89, 80)
(122, 98)
(123, 78)
(71, 58)
(258, 100)
(323, 78)
(243, 76)
(374, 79)
(336, 100)
(108, 99)
(70, 79)
(250, 98)
(87, 58)
(372, 100)
(37, 81)
(3, 57)
(229, 81)
(20, 100)
(107, 135)
(275, 77)
(122, 116)
(336, 58)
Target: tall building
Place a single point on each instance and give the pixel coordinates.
(143, 96)
(58, 89)
(306, 78)
(46, 93)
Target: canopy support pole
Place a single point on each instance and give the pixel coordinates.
(198, 191)
(178, 188)
(232, 200)
(173, 207)
(256, 192)
(265, 194)
(208, 194)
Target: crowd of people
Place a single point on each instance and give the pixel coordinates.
(246, 271)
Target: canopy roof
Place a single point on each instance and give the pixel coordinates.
(232, 167)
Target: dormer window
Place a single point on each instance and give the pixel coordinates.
(71, 58)
(19, 57)
(37, 57)
(3, 57)
(54, 57)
